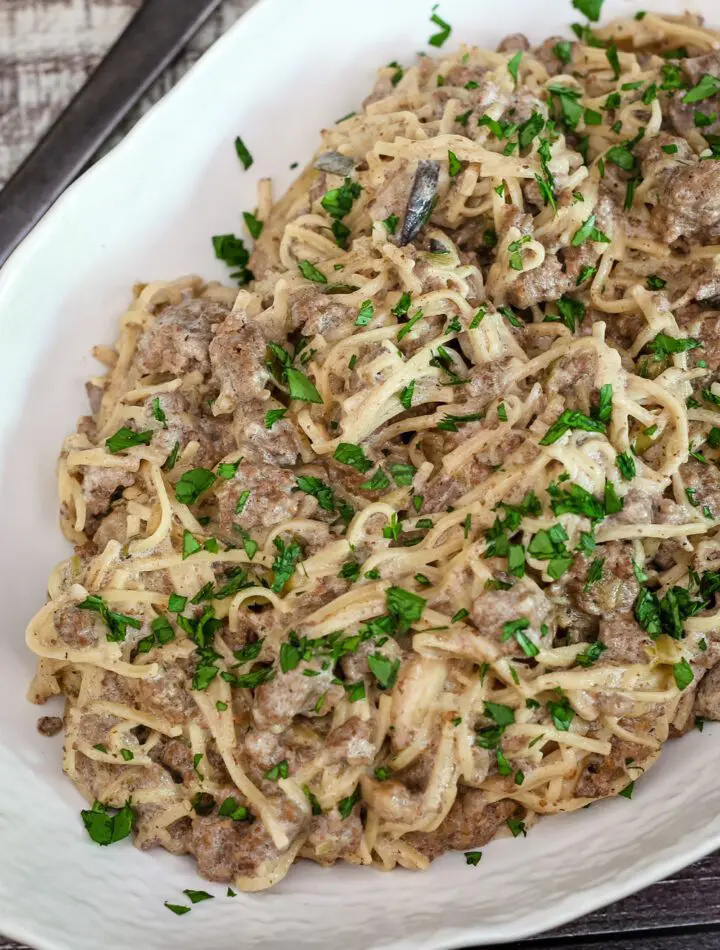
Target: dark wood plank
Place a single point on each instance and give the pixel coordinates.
(674, 938)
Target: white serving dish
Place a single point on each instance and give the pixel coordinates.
(147, 211)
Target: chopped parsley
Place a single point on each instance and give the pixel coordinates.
(107, 826)
(318, 489)
(192, 484)
(682, 674)
(588, 231)
(562, 713)
(178, 909)
(232, 251)
(621, 156)
(454, 164)
(569, 102)
(663, 345)
(391, 223)
(116, 623)
(349, 454)
(707, 87)
(405, 395)
(311, 272)
(571, 419)
(365, 314)
(402, 473)
(195, 897)
(626, 465)
(515, 259)
(126, 438)
(253, 224)
(346, 805)
(383, 669)
(517, 827)
(378, 482)
(301, 387)
(271, 417)
(514, 65)
(284, 564)
(242, 153)
(591, 654)
(278, 771)
(563, 51)
(614, 60)
(438, 39)
(590, 8)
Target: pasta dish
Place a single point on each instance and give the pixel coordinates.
(412, 539)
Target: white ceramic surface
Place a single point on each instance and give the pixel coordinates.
(147, 211)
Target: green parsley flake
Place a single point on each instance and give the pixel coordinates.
(590, 8)
(253, 225)
(301, 387)
(438, 39)
(707, 87)
(683, 674)
(310, 272)
(571, 419)
(588, 231)
(178, 909)
(242, 153)
(514, 65)
(365, 314)
(126, 438)
(105, 828)
(192, 484)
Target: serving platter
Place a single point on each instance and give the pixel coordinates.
(147, 211)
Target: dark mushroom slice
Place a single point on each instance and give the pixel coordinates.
(421, 202)
(335, 164)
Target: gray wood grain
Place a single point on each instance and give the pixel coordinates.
(47, 50)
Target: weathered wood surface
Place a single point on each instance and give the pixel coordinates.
(47, 50)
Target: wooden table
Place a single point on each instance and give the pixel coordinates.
(47, 50)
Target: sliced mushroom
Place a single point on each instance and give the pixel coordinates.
(423, 195)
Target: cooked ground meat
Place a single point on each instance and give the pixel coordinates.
(237, 355)
(294, 693)
(168, 695)
(350, 743)
(617, 588)
(279, 443)
(573, 377)
(471, 823)
(625, 640)
(606, 776)
(312, 313)
(258, 497)
(333, 837)
(525, 600)
(689, 205)
(178, 338)
(99, 485)
(703, 483)
(707, 703)
(78, 628)
(49, 725)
